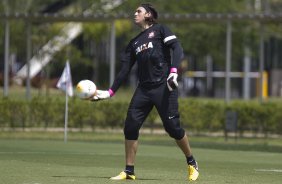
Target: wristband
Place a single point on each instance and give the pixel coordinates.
(112, 93)
(173, 70)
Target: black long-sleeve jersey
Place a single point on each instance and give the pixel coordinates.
(151, 50)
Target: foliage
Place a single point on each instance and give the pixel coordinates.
(202, 115)
(258, 117)
(196, 115)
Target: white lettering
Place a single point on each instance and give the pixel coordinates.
(143, 47)
(150, 45)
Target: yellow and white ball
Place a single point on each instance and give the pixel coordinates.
(85, 89)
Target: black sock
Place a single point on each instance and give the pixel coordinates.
(190, 160)
(129, 169)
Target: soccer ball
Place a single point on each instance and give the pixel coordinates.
(85, 89)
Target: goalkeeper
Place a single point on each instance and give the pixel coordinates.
(157, 73)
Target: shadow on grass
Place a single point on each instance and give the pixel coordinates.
(105, 177)
(81, 177)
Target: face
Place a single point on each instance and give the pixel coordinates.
(140, 15)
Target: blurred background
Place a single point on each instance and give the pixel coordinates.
(232, 49)
(237, 40)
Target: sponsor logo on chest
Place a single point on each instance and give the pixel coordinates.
(143, 47)
(151, 34)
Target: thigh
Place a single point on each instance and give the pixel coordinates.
(166, 103)
(167, 106)
(139, 107)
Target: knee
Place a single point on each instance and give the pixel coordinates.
(131, 128)
(174, 129)
(131, 133)
(176, 134)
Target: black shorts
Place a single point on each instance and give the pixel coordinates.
(142, 102)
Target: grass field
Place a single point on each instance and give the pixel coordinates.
(47, 161)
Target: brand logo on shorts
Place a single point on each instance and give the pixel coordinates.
(171, 117)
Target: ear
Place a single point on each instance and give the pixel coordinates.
(148, 14)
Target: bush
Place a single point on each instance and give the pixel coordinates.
(202, 115)
(197, 115)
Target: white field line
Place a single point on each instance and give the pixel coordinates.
(269, 170)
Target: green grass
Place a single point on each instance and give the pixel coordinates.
(93, 159)
(219, 142)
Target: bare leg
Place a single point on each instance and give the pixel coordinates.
(193, 172)
(130, 151)
(184, 146)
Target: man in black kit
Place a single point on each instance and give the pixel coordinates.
(157, 74)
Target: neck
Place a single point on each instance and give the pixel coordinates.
(145, 26)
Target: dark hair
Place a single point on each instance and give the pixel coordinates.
(149, 8)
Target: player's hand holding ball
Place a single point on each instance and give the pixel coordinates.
(101, 95)
(172, 81)
(87, 90)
